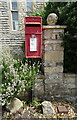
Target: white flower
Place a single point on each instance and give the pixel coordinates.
(5, 84)
(9, 88)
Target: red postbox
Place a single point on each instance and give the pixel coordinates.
(33, 37)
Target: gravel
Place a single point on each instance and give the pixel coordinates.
(32, 112)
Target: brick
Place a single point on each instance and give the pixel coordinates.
(62, 109)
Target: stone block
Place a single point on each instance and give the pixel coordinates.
(48, 87)
(49, 64)
(15, 105)
(71, 86)
(40, 78)
(59, 86)
(70, 99)
(58, 47)
(55, 56)
(47, 34)
(48, 108)
(69, 78)
(38, 92)
(53, 81)
(58, 69)
(54, 89)
(73, 92)
(38, 87)
(40, 81)
(53, 29)
(54, 78)
(49, 41)
(48, 48)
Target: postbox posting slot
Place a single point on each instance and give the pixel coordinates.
(33, 25)
(33, 28)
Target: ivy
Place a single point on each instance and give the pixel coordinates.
(67, 15)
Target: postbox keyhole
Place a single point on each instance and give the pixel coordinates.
(33, 35)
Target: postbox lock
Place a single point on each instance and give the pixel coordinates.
(33, 35)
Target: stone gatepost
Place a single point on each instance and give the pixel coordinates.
(51, 86)
(53, 60)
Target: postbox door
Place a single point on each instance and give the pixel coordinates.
(33, 46)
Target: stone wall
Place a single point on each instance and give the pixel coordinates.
(70, 92)
(15, 39)
(54, 84)
(56, 89)
(39, 6)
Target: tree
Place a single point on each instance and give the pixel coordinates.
(67, 15)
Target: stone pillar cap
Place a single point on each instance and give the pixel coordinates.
(52, 19)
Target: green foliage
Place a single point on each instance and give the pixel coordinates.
(17, 76)
(67, 15)
(24, 102)
(36, 14)
(36, 103)
(39, 13)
